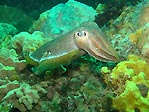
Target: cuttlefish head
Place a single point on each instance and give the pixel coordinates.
(90, 38)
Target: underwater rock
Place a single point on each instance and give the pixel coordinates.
(63, 17)
(127, 30)
(15, 17)
(143, 44)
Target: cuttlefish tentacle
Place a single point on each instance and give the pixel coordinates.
(100, 52)
(104, 44)
(62, 50)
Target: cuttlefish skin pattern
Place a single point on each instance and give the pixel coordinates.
(88, 38)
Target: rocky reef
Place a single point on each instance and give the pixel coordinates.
(86, 84)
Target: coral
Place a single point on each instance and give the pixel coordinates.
(63, 17)
(21, 95)
(7, 29)
(8, 57)
(25, 42)
(74, 91)
(143, 43)
(135, 37)
(84, 91)
(132, 99)
(129, 81)
(141, 34)
(144, 17)
(6, 32)
(119, 31)
(52, 105)
(126, 31)
(5, 41)
(80, 88)
(8, 71)
(4, 108)
(100, 8)
(6, 86)
(10, 64)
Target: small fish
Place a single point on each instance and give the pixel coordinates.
(88, 38)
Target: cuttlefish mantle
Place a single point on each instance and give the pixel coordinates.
(88, 38)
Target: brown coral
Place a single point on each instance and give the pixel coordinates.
(26, 42)
(21, 95)
(8, 57)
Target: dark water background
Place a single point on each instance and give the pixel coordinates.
(35, 7)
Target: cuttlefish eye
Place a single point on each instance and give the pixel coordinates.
(81, 38)
(81, 33)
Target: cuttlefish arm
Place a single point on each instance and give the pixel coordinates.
(62, 50)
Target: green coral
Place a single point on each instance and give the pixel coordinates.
(6, 32)
(4, 108)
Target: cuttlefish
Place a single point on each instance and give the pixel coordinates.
(87, 38)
